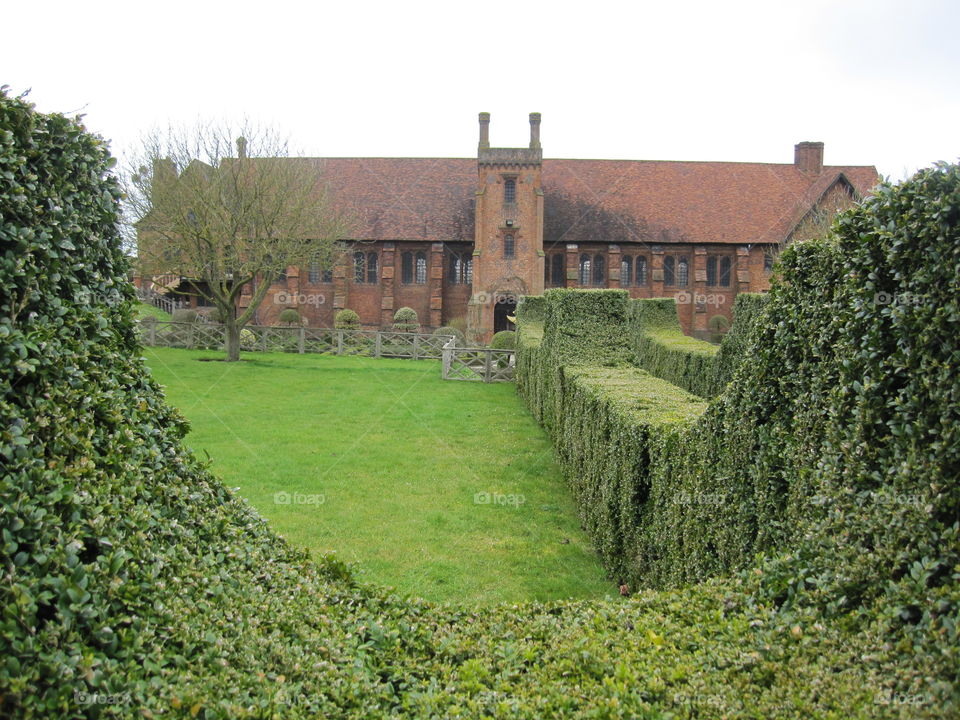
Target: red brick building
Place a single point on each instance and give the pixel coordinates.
(460, 239)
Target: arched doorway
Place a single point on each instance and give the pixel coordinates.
(506, 305)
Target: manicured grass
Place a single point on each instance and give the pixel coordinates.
(383, 462)
(145, 310)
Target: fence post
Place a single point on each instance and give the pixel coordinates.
(339, 342)
(486, 366)
(378, 345)
(301, 340)
(416, 346)
(447, 359)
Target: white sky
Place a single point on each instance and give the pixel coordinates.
(877, 81)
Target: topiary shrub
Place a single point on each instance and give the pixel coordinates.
(504, 340)
(184, 315)
(290, 316)
(346, 319)
(405, 320)
(447, 330)
(458, 323)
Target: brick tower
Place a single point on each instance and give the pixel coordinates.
(508, 244)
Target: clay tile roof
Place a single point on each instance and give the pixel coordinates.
(428, 199)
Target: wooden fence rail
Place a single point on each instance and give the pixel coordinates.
(265, 338)
(483, 364)
(477, 364)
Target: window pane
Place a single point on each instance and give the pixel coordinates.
(421, 268)
(508, 246)
(668, 275)
(641, 271)
(509, 190)
(711, 270)
(372, 268)
(598, 270)
(358, 267)
(406, 272)
(682, 272)
(469, 274)
(559, 278)
(455, 270)
(626, 270)
(725, 272)
(584, 270)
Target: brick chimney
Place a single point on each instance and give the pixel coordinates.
(534, 131)
(484, 131)
(242, 148)
(808, 157)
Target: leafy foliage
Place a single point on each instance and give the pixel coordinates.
(504, 340)
(290, 316)
(832, 454)
(346, 319)
(405, 320)
(136, 585)
(461, 339)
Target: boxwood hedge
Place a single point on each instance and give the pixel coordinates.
(832, 456)
(135, 585)
(664, 351)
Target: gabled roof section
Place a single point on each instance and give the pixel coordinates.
(702, 202)
(430, 199)
(426, 199)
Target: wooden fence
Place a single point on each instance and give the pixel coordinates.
(484, 364)
(263, 338)
(477, 364)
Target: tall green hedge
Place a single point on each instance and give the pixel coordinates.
(749, 312)
(834, 452)
(663, 350)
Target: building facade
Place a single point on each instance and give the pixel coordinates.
(460, 240)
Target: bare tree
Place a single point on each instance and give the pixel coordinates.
(226, 220)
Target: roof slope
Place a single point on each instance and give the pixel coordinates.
(430, 198)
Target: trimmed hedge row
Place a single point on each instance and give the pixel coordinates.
(663, 350)
(749, 313)
(834, 454)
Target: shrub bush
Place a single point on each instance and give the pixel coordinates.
(405, 320)
(184, 315)
(290, 316)
(504, 340)
(461, 340)
(346, 319)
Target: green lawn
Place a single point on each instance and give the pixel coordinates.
(383, 462)
(146, 310)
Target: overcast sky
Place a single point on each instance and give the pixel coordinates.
(877, 81)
